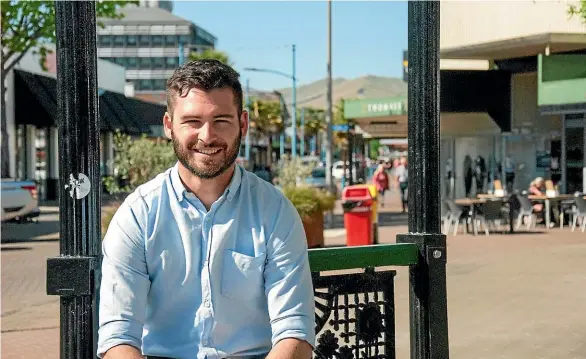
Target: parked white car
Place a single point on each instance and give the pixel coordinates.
(338, 170)
(19, 200)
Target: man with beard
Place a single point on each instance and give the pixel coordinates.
(206, 260)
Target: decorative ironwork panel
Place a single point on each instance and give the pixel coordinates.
(355, 315)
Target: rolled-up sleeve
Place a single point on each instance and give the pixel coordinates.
(125, 283)
(288, 284)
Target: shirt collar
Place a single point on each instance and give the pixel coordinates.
(180, 189)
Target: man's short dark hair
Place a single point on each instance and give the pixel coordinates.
(206, 74)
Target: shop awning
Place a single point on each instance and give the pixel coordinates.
(36, 104)
(518, 47)
(456, 124)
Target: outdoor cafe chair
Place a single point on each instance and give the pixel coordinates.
(579, 213)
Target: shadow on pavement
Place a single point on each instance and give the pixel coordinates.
(7, 249)
(27, 232)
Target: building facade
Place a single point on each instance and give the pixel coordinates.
(543, 52)
(148, 42)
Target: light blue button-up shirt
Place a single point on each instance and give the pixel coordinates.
(182, 282)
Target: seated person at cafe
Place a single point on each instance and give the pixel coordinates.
(537, 188)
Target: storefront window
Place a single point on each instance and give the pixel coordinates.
(574, 140)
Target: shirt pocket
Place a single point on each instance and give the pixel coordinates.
(242, 276)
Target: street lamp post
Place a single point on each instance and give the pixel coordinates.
(302, 149)
(247, 138)
(329, 114)
(294, 100)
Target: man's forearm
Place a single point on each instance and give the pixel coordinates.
(123, 352)
(291, 348)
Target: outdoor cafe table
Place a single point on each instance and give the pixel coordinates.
(548, 200)
(541, 198)
(471, 202)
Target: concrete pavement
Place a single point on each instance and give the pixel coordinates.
(509, 296)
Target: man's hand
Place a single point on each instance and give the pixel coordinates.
(291, 348)
(123, 352)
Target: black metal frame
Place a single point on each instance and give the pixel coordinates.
(359, 310)
(428, 297)
(75, 276)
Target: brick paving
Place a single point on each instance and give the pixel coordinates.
(509, 296)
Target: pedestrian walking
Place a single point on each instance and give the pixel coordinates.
(380, 180)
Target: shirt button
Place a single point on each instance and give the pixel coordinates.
(207, 303)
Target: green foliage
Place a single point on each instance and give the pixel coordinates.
(138, 161)
(308, 200)
(315, 121)
(265, 117)
(374, 146)
(31, 25)
(293, 171)
(338, 111)
(579, 10)
(210, 54)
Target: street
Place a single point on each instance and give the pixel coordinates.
(509, 296)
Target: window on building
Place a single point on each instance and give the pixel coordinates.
(131, 63)
(172, 62)
(120, 61)
(184, 39)
(159, 84)
(170, 40)
(106, 40)
(158, 62)
(144, 63)
(144, 40)
(157, 40)
(144, 85)
(131, 40)
(119, 41)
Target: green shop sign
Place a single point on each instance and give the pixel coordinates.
(561, 80)
(392, 106)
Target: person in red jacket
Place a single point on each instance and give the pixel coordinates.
(381, 181)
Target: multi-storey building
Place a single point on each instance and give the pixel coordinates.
(147, 41)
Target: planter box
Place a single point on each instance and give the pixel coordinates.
(314, 230)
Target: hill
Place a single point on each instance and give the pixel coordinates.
(370, 86)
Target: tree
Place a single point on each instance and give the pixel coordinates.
(579, 10)
(315, 121)
(266, 118)
(338, 111)
(30, 25)
(210, 54)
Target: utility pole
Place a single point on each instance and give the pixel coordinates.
(329, 181)
(294, 117)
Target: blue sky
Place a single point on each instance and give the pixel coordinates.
(368, 38)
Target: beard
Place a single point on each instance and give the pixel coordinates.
(211, 167)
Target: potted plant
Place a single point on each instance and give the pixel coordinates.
(311, 203)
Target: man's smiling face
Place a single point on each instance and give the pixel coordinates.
(206, 129)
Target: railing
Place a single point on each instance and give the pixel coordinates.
(355, 312)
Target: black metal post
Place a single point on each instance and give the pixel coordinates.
(428, 296)
(74, 274)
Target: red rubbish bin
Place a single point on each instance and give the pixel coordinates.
(357, 203)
